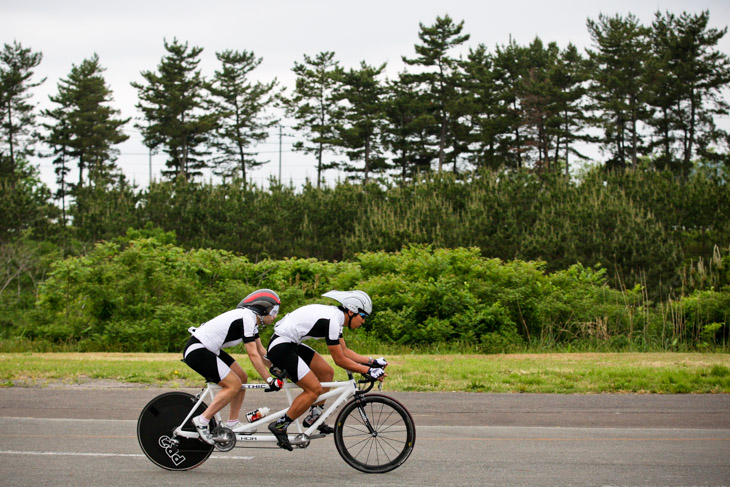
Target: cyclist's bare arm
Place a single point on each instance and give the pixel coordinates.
(262, 353)
(342, 357)
(256, 353)
(352, 355)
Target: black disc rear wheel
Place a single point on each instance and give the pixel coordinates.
(375, 434)
(155, 425)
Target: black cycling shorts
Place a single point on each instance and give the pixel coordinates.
(291, 357)
(214, 368)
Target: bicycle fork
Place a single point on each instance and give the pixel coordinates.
(364, 417)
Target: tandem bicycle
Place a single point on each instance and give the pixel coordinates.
(374, 433)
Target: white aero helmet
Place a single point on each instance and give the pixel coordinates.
(355, 301)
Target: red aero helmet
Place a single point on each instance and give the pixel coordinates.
(262, 301)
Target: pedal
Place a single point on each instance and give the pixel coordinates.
(301, 441)
(326, 429)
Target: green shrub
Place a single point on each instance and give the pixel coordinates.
(141, 294)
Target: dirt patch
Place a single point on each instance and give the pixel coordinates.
(91, 384)
(131, 357)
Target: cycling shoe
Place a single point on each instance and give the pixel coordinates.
(281, 437)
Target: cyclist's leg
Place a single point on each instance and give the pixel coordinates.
(295, 359)
(230, 386)
(237, 400)
(286, 356)
(323, 371)
(311, 390)
(217, 368)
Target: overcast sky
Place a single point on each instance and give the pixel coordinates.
(128, 37)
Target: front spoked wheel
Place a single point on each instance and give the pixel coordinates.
(375, 434)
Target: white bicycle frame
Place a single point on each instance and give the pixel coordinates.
(342, 390)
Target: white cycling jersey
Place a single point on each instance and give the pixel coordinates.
(315, 321)
(228, 329)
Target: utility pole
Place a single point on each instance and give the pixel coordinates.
(149, 147)
(280, 135)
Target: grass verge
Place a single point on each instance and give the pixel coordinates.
(577, 373)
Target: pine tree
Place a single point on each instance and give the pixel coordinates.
(17, 114)
(570, 77)
(176, 109)
(58, 139)
(240, 105)
(25, 205)
(487, 112)
(408, 128)
(361, 135)
(539, 101)
(619, 65)
(663, 96)
(314, 104)
(510, 65)
(688, 75)
(84, 125)
(440, 80)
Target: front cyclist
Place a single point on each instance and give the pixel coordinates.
(306, 367)
(204, 354)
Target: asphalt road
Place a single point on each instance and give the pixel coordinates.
(86, 437)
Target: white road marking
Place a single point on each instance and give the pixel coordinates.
(80, 454)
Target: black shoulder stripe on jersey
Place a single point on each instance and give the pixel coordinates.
(320, 329)
(251, 339)
(235, 331)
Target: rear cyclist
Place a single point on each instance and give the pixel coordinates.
(306, 367)
(204, 354)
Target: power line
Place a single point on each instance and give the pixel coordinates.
(136, 163)
(258, 152)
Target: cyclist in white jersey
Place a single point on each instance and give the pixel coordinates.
(204, 354)
(306, 367)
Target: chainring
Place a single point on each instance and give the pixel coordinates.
(225, 438)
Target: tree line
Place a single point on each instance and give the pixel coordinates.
(643, 226)
(638, 91)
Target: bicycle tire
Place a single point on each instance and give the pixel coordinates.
(388, 446)
(155, 425)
